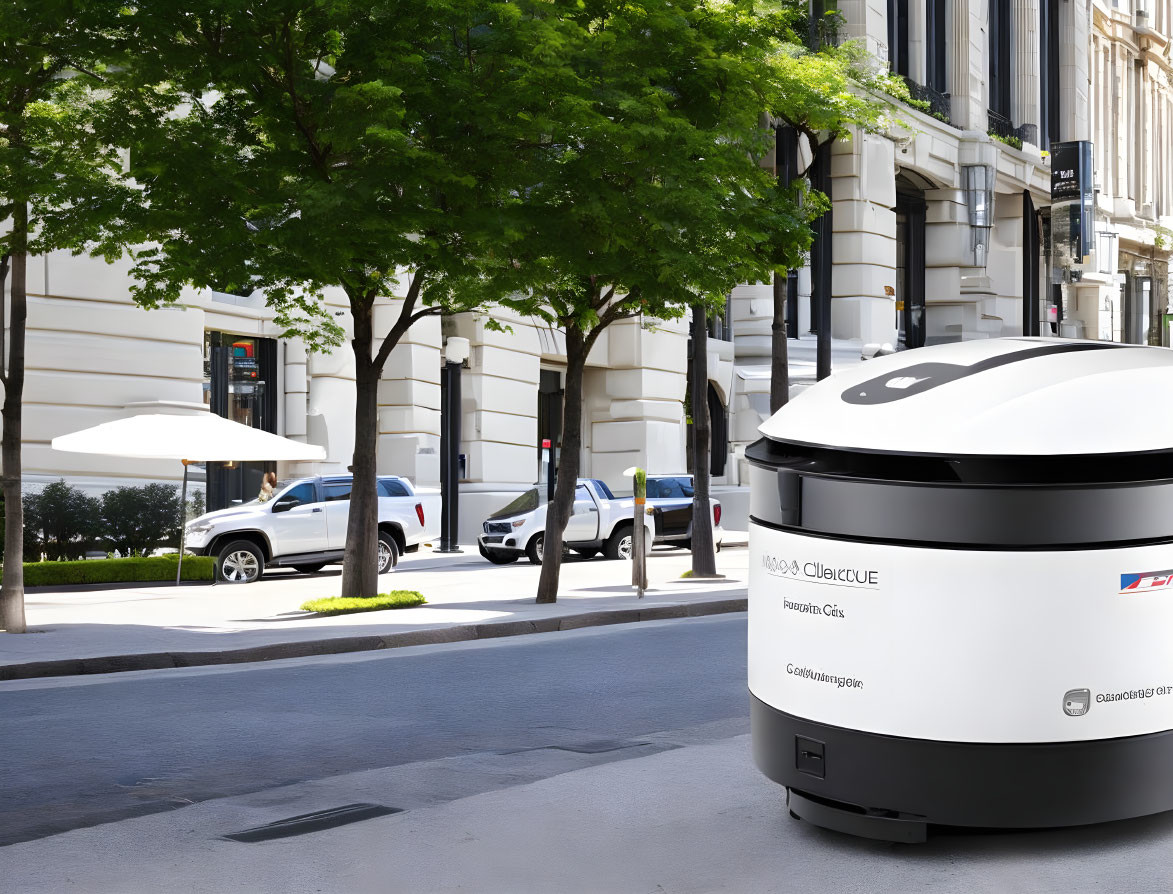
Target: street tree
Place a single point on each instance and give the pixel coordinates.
(704, 558)
(59, 189)
(821, 93)
(299, 146)
(646, 195)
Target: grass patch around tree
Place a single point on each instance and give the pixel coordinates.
(116, 571)
(339, 605)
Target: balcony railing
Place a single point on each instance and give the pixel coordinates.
(939, 103)
(1002, 128)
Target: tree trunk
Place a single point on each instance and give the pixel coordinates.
(558, 513)
(779, 357)
(704, 559)
(360, 563)
(12, 583)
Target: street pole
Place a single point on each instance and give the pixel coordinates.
(183, 523)
(456, 351)
(639, 559)
(821, 258)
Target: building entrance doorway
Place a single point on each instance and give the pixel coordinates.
(550, 400)
(910, 263)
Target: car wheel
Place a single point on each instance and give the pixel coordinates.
(498, 556)
(588, 552)
(388, 553)
(534, 550)
(618, 545)
(240, 562)
(310, 569)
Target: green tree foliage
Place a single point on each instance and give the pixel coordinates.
(646, 195)
(139, 520)
(61, 522)
(296, 147)
(59, 187)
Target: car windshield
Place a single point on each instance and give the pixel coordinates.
(527, 502)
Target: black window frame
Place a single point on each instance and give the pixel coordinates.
(1048, 73)
(936, 46)
(898, 36)
(998, 70)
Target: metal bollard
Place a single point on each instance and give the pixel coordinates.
(639, 558)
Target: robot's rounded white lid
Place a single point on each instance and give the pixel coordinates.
(1005, 396)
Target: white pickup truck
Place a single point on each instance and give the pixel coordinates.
(303, 525)
(599, 521)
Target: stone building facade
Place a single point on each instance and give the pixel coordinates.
(939, 232)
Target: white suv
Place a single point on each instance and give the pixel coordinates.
(303, 525)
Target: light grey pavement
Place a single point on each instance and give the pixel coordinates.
(166, 626)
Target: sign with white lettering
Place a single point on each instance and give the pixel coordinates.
(1072, 203)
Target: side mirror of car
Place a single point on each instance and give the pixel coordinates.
(284, 505)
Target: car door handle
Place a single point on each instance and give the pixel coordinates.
(318, 509)
(592, 509)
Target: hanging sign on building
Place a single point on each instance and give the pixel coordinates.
(1072, 203)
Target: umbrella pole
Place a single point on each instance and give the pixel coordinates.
(182, 523)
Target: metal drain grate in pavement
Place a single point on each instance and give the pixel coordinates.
(313, 822)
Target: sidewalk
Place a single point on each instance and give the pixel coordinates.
(163, 626)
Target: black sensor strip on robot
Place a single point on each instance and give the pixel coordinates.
(922, 377)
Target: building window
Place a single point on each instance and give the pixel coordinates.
(721, 324)
(824, 23)
(999, 51)
(937, 62)
(1048, 72)
(898, 36)
(240, 384)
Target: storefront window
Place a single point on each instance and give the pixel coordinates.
(236, 380)
(240, 384)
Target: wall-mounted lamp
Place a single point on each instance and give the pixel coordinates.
(978, 183)
(456, 350)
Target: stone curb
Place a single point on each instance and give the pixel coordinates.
(113, 664)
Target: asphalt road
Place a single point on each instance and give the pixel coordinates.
(605, 760)
(78, 753)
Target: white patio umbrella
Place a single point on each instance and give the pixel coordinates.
(189, 438)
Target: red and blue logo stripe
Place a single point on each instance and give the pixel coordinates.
(1145, 581)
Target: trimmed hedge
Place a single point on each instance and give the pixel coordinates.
(109, 571)
(341, 605)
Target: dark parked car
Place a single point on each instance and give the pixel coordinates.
(671, 498)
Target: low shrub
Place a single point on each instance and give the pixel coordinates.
(340, 605)
(109, 571)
